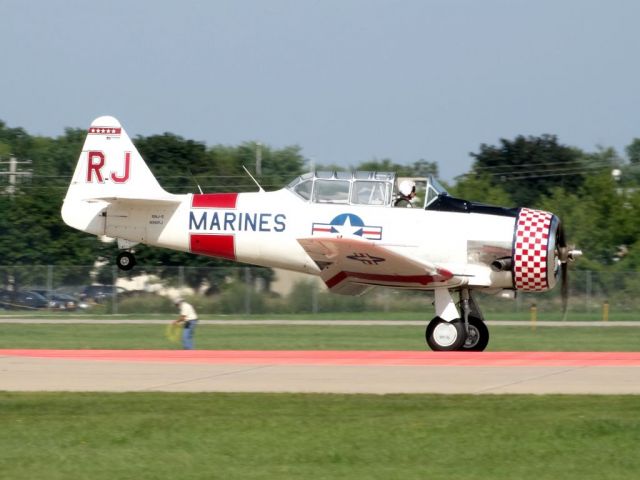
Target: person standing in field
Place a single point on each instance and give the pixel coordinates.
(188, 319)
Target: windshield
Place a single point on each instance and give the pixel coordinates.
(434, 189)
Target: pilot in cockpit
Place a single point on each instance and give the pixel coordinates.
(406, 193)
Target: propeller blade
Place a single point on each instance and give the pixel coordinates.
(561, 244)
(563, 256)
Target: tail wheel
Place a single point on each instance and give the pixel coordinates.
(478, 336)
(125, 261)
(445, 336)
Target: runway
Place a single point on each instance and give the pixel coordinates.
(377, 372)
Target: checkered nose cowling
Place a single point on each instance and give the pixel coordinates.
(535, 264)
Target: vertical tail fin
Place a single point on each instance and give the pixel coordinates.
(109, 168)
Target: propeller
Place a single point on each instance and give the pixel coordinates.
(565, 254)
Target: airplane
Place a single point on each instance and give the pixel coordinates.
(340, 226)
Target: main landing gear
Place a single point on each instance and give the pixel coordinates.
(445, 336)
(451, 330)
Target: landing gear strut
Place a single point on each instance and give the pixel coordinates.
(125, 260)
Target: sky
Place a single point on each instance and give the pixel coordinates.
(347, 80)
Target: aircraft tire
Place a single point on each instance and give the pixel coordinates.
(125, 261)
(443, 336)
(478, 336)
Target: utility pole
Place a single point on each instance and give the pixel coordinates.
(258, 159)
(13, 173)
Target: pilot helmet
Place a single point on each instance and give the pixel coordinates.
(407, 187)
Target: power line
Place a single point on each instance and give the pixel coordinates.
(524, 172)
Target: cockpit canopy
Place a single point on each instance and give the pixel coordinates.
(362, 188)
(346, 188)
(379, 189)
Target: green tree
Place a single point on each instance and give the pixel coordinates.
(17, 138)
(420, 168)
(478, 188)
(530, 167)
(633, 151)
(281, 166)
(174, 161)
(630, 172)
(32, 232)
(596, 219)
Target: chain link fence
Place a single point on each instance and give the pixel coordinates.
(251, 291)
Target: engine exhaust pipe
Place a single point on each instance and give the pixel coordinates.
(503, 264)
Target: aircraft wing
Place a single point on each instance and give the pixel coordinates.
(351, 266)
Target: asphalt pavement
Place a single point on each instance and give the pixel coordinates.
(321, 371)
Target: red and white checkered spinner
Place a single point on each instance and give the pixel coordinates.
(536, 263)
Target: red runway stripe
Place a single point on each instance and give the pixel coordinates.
(335, 357)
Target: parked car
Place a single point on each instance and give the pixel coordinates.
(61, 301)
(22, 300)
(99, 293)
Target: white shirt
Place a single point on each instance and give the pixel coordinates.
(187, 311)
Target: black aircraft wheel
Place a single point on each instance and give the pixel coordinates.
(445, 336)
(478, 336)
(125, 260)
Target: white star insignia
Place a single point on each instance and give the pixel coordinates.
(347, 228)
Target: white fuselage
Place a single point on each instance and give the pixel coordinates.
(263, 228)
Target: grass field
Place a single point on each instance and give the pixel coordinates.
(295, 436)
(246, 436)
(293, 337)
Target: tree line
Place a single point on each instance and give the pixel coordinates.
(596, 194)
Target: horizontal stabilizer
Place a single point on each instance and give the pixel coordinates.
(169, 200)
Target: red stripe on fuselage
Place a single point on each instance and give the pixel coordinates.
(214, 200)
(222, 246)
